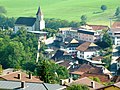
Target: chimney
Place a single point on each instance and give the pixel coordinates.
(30, 75)
(23, 84)
(70, 80)
(19, 75)
(61, 82)
(93, 84)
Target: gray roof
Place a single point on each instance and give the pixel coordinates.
(27, 21)
(29, 86)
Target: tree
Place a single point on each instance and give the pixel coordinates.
(51, 72)
(103, 7)
(6, 23)
(2, 10)
(95, 79)
(15, 51)
(107, 39)
(50, 31)
(117, 11)
(83, 19)
(78, 87)
(74, 24)
(1, 70)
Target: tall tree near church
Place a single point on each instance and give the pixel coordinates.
(83, 20)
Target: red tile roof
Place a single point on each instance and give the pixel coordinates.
(102, 77)
(84, 46)
(85, 68)
(116, 25)
(87, 81)
(88, 46)
(115, 79)
(24, 77)
(99, 27)
(65, 63)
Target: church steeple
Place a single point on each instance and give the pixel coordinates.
(39, 12)
(40, 23)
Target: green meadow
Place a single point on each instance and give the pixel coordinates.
(63, 9)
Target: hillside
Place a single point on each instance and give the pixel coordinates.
(63, 9)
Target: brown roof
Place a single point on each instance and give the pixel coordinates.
(24, 77)
(88, 46)
(85, 68)
(102, 77)
(65, 63)
(115, 30)
(110, 87)
(98, 27)
(84, 46)
(116, 25)
(118, 59)
(115, 79)
(117, 84)
(87, 81)
(97, 58)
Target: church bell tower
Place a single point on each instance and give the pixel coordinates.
(40, 23)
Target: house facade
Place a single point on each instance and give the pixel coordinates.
(114, 32)
(30, 23)
(87, 50)
(71, 48)
(90, 33)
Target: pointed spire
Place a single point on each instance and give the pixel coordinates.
(39, 11)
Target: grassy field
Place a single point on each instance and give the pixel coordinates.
(63, 9)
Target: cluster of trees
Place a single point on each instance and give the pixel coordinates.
(78, 87)
(51, 32)
(18, 51)
(95, 79)
(106, 49)
(51, 72)
(58, 23)
(83, 20)
(107, 39)
(117, 14)
(6, 23)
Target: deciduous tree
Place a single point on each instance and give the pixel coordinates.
(103, 7)
(78, 87)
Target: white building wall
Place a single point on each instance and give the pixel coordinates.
(80, 55)
(28, 28)
(42, 24)
(71, 50)
(86, 55)
(118, 65)
(86, 37)
(116, 40)
(89, 54)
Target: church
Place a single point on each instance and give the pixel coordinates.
(31, 23)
